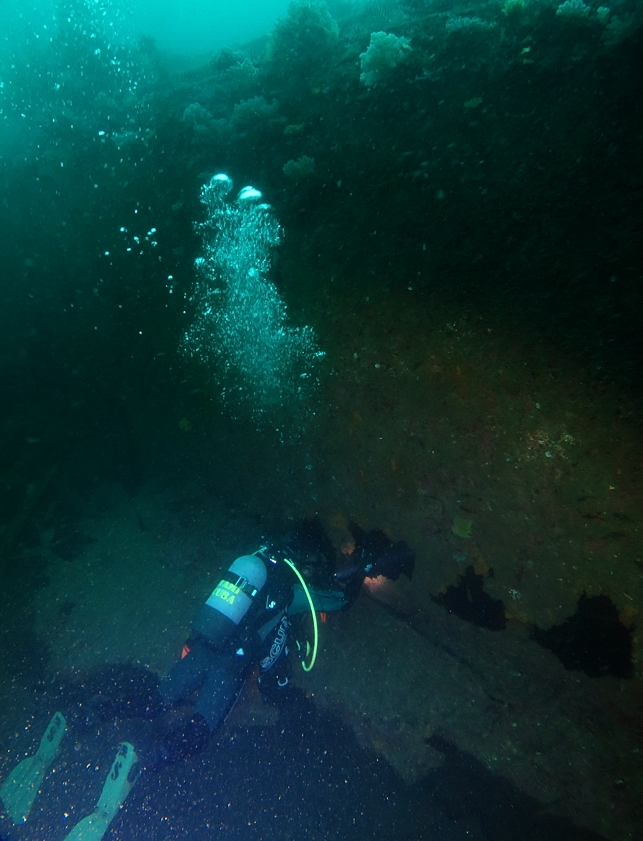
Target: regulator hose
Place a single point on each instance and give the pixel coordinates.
(308, 667)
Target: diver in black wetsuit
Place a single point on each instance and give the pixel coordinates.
(251, 617)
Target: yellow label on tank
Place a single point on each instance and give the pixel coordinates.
(224, 591)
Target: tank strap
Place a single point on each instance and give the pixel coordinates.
(242, 583)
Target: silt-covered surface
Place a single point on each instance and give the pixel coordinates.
(460, 244)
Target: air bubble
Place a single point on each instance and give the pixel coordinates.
(241, 328)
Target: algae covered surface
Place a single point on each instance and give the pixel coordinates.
(380, 265)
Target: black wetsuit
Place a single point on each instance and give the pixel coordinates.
(218, 673)
(184, 708)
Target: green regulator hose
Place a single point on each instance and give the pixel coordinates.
(308, 667)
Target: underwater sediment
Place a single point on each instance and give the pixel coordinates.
(459, 231)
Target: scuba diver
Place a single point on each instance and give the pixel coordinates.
(255, 615)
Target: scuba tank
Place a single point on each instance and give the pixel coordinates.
(231, 599)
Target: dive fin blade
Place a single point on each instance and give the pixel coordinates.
(123, 775)
(19, 790)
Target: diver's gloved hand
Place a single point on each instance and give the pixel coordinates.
(392, 562)
(374, 555)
